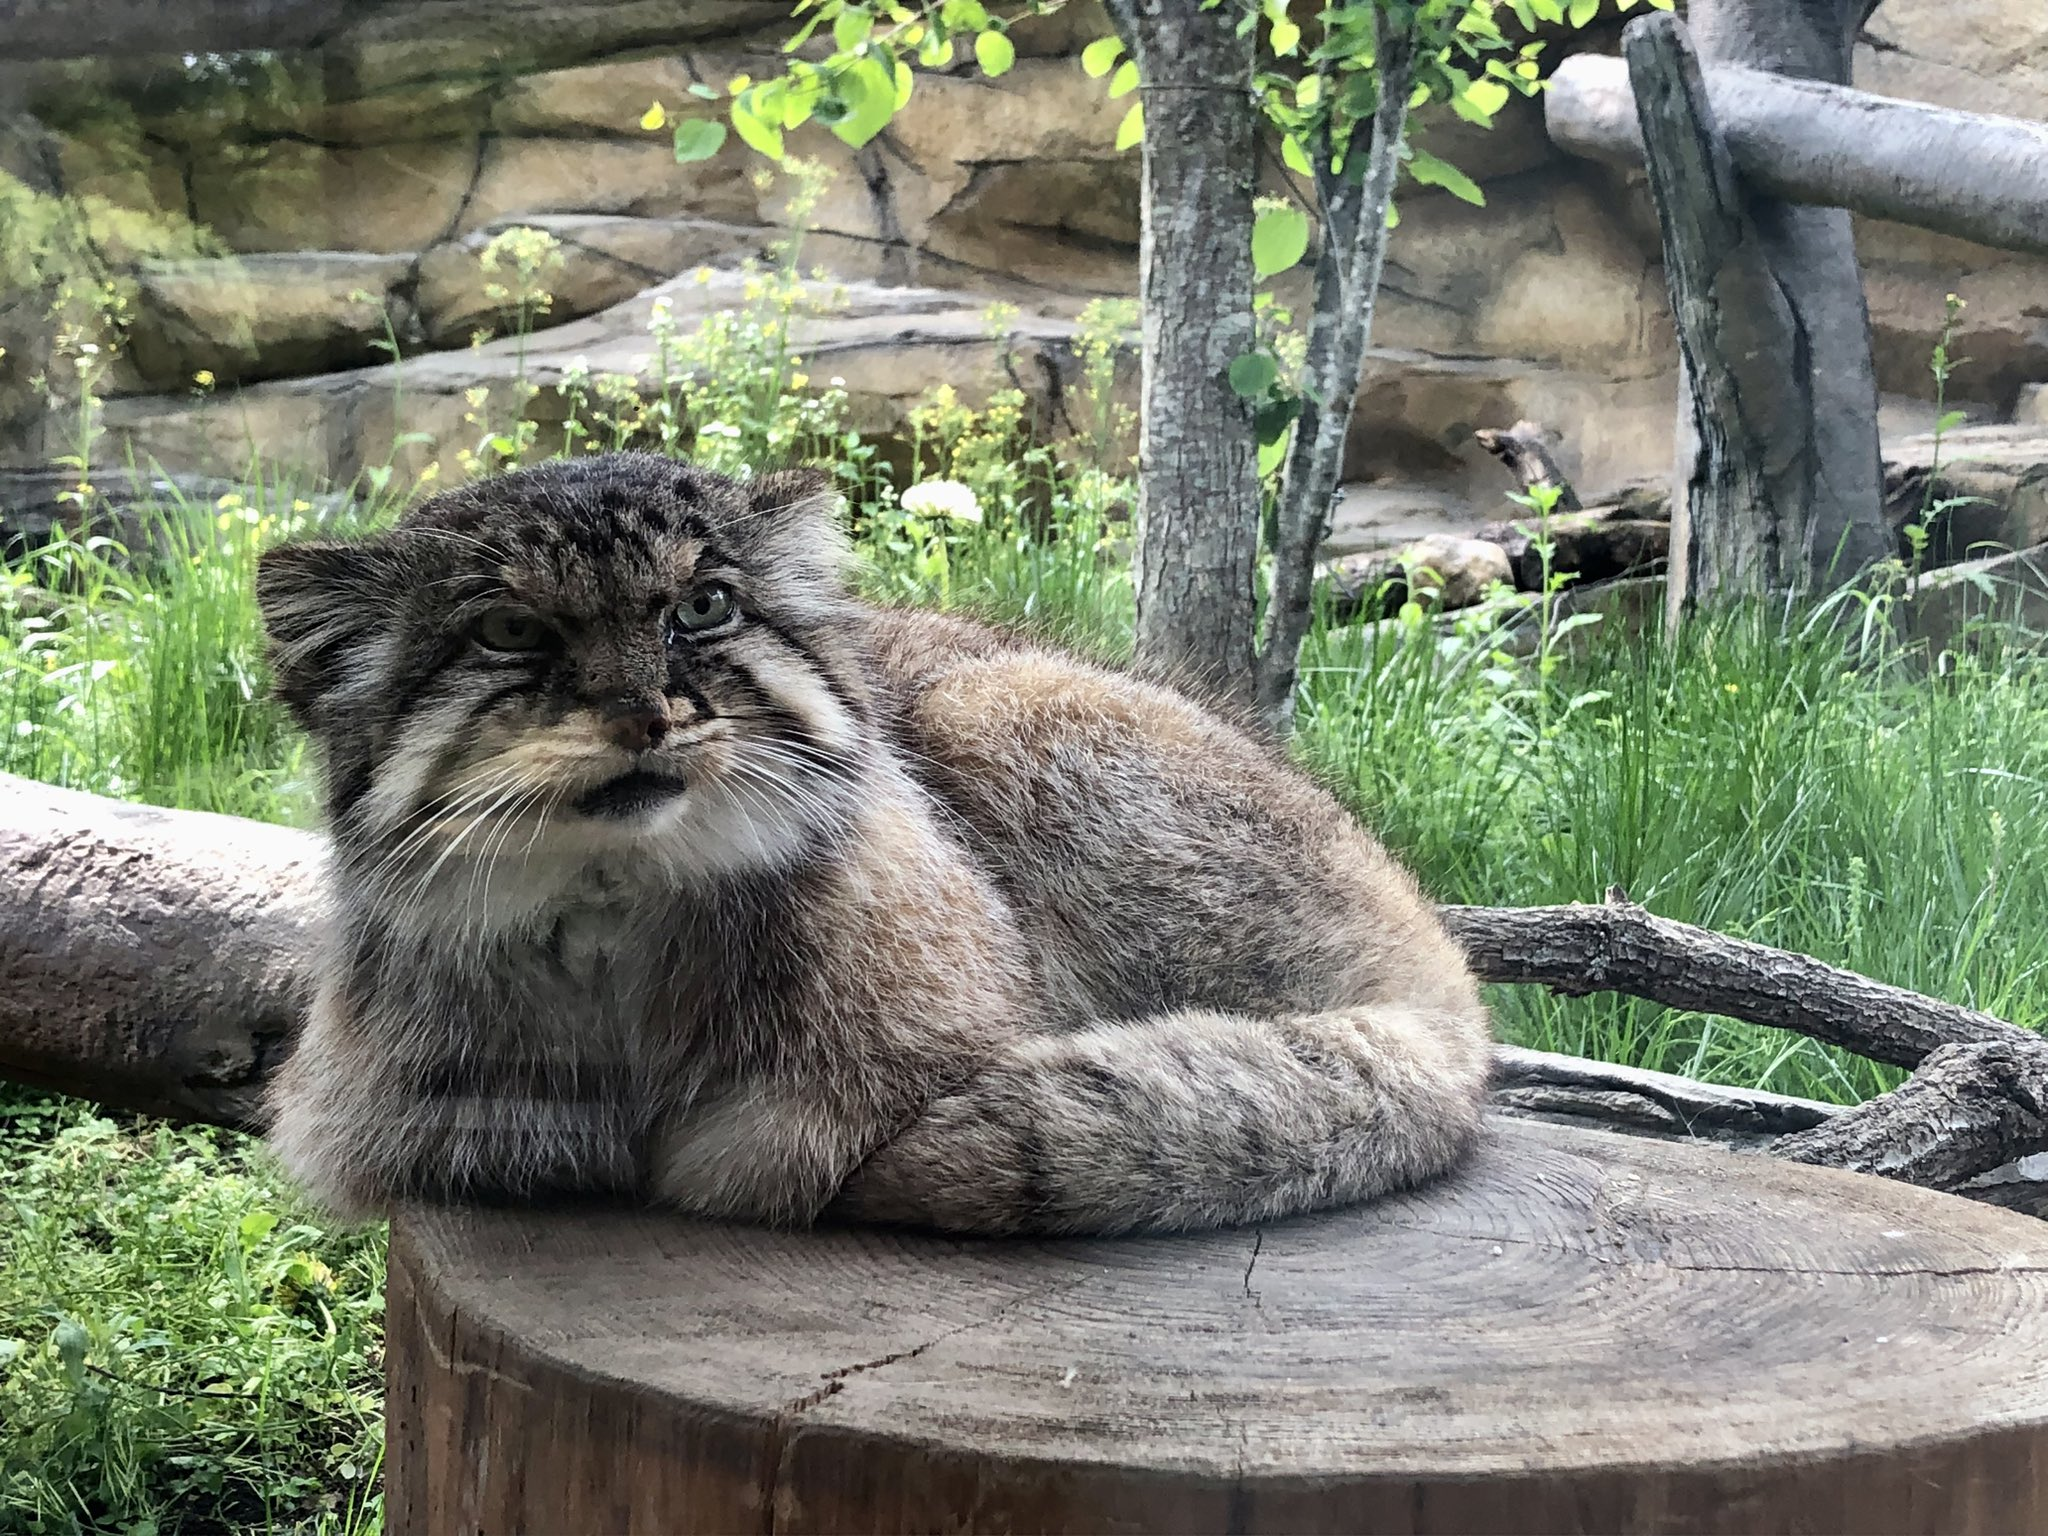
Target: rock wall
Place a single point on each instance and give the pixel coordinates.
(288, 219)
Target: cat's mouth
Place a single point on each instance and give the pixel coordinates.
(630, 794)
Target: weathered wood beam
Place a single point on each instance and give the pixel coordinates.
(1968, 174)
(1552, 1086)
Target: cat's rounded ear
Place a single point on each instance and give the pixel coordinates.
(321, 601)
(796, 492)
(797, 512)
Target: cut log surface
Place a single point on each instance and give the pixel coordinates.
(1579, 1332)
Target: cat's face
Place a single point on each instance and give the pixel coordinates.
(589, 655)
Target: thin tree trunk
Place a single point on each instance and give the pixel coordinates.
(1198, 483)
(1347, 280)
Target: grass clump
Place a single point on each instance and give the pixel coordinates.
(184, 1348)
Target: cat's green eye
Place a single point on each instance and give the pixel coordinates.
(512, 629)
(706, 608)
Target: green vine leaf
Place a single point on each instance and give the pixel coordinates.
(1132, 129)
(1252, 374)
(698, 138)
(994, 52)
(1432, 172)
(1100, 56)
(1279, 240)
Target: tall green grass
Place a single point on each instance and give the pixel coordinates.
(183, 1347)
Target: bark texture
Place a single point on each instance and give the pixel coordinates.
(1779, 480)
(1577, 1332)
(1968, 1109)
(1619, 947)
(149, 959)
(1198, 483)
(1347, 282)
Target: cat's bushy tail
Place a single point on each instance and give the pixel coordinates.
(1188, 1120)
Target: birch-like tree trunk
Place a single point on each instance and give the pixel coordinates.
(1198, 483)
(1347, 279)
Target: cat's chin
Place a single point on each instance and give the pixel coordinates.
(638, 793)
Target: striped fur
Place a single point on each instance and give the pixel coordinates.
(917, 922)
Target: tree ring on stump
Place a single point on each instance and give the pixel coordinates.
(1581, 1331)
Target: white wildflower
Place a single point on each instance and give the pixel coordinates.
(942, 498)
(719, 429)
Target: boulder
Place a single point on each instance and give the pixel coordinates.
(264, 316)
(291, 196)
(604, 258)
(1996, 477)
(1439, 570)
(602, 100)
(1943, 608)
(519, 177)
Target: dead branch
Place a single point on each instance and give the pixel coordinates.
(1619, 947)
(1523, 449)
(1969, 1109)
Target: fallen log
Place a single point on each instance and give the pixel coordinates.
(150, 959)
(154, 960)
(1967, 174)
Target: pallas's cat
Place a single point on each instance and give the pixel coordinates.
(663, 867)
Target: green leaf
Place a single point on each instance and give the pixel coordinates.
(1100, 56)
(1272, 455)
(698, 138)
(1294, 157)
(1252, 374)
(1125, 80)
(702, 91)
(1286, 37)
(1132, 129)
(763, 137)
(994, 52)
(1271, 420)
(1584, 11)
(1432, 172)
(869, 93)
(1279, 240)
(963, 15)
(256, 1226)
(851, 28)
(905, 84)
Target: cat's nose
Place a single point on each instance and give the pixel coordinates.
(636, 726)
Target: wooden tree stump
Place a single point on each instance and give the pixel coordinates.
(1581, 1332)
